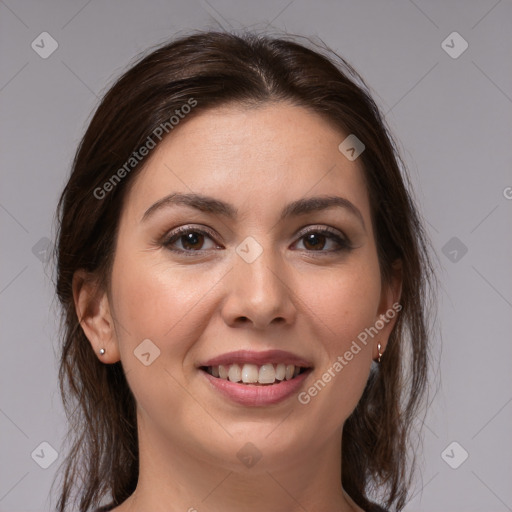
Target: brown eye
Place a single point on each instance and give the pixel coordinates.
(191, 240)
(317, 240)
(314, 241)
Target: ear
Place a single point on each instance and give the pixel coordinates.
(94, 314)
(389, 308)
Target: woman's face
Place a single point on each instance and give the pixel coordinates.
(254, 281)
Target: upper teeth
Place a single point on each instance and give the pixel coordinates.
(254, 374)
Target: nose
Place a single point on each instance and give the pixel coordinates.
(259, 294)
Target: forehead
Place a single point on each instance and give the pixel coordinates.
(251, 157)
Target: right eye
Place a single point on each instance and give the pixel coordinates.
(191, 240)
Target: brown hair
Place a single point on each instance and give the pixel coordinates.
(217, 68)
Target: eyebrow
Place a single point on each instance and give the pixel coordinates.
(215, 206)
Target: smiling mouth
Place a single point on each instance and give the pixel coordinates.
(260, 375)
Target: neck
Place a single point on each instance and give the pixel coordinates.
(173, 478)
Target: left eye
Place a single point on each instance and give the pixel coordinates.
(317, 240)
(193, 240)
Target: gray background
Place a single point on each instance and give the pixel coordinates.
(452, 117)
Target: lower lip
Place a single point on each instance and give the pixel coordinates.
(257, 395)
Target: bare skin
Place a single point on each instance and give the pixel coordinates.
(299, 295)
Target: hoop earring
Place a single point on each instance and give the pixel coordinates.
(102, 351)
(379, 346)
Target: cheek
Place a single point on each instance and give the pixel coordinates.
(157, 301)
(348, 303)
(167, 306)
(347, 308)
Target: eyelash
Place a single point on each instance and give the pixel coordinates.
(343, 242)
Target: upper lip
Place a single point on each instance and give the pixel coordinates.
(258, 358)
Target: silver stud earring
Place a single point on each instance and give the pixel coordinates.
(102, 351)
(379, 346)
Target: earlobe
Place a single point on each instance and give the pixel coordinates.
(93, 311)
(389, 309)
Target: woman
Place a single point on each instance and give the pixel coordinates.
(244, 278)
